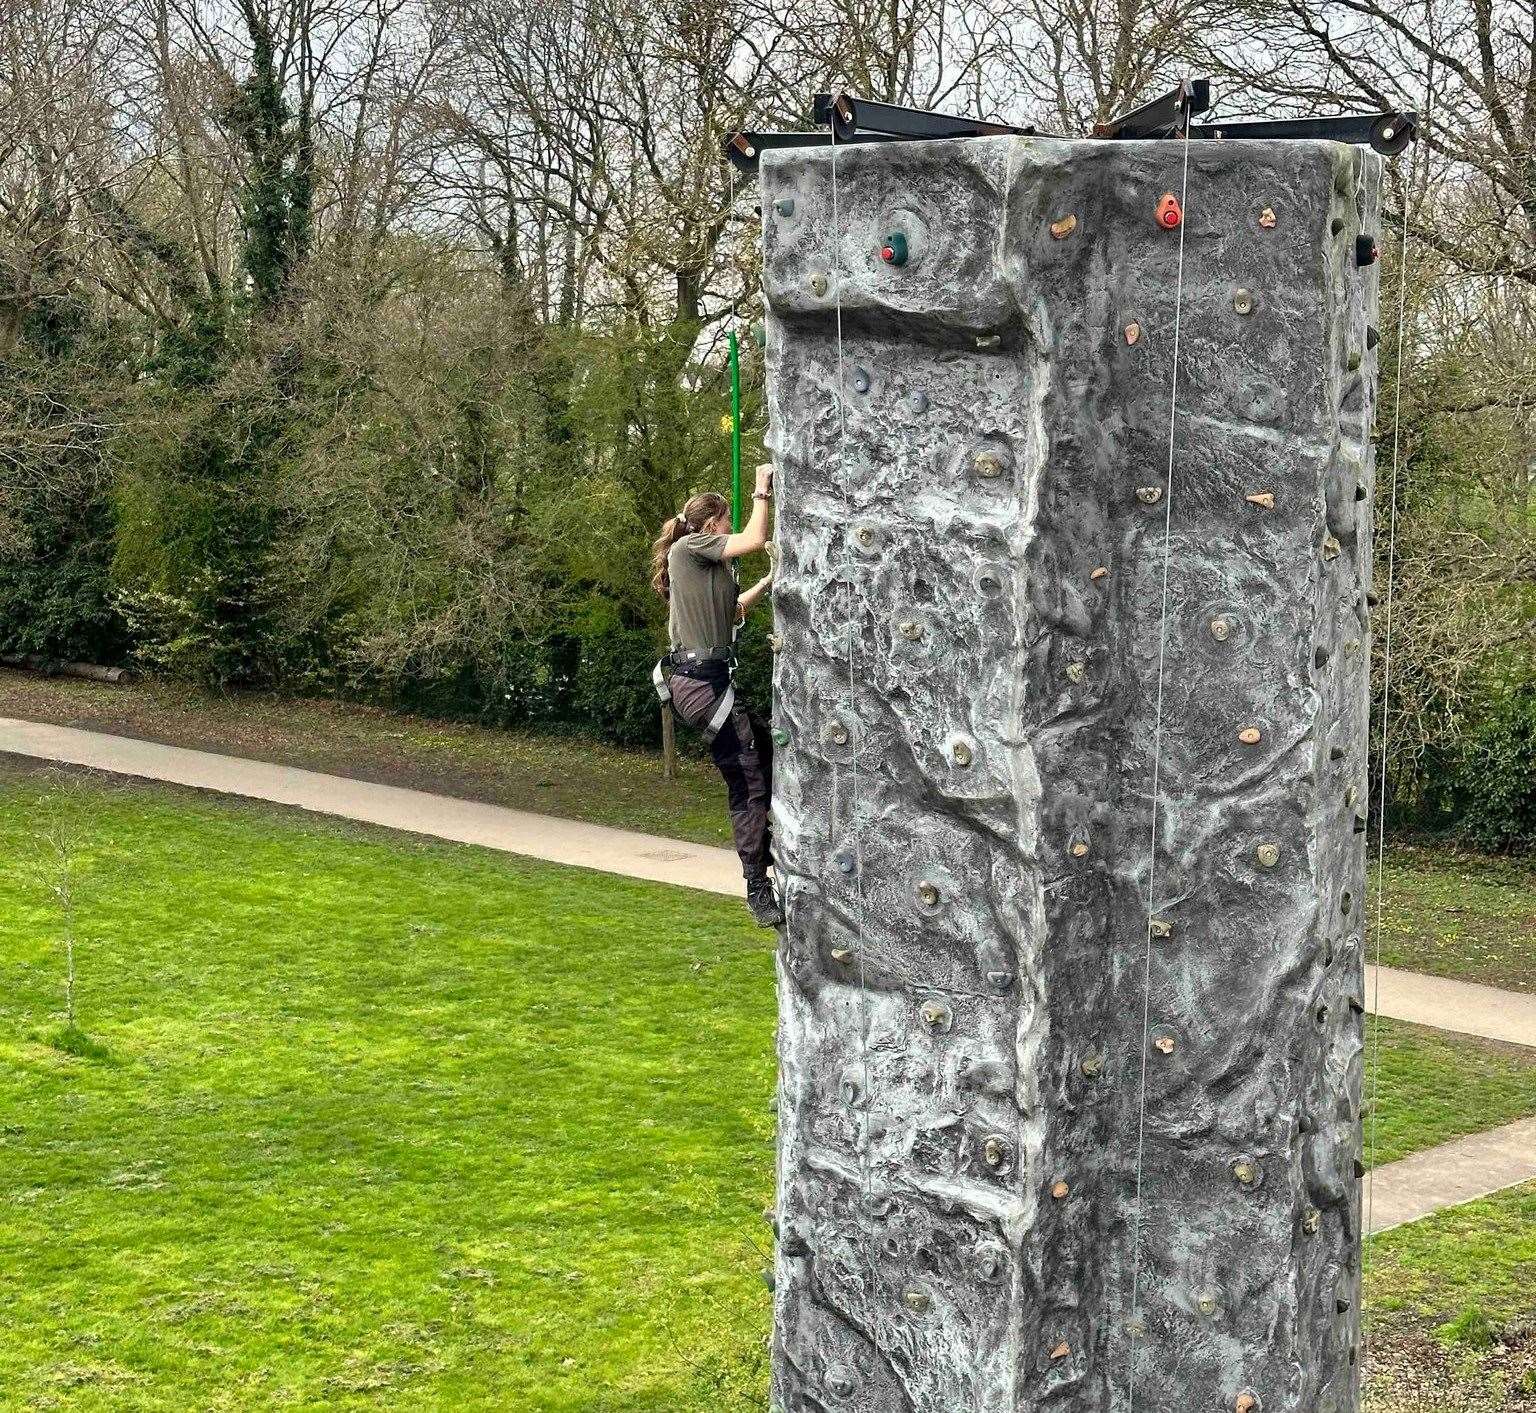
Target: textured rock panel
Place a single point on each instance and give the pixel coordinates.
(977, 1211)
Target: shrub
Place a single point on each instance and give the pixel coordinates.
(1494, 784)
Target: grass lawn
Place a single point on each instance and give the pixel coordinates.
(1448, 912)
(380, 1121)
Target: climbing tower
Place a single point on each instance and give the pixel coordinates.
(1071, 703)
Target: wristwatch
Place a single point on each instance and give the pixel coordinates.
(762, 495)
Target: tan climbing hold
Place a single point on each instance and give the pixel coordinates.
(962, 753)
(1245, 1172)
(1268, 854)
(842, 956)
(1076, 671)
(1149, 495)
(995, 1152)
(1267, 218)
(1132, 332)
(818, 283)
(1221, 629)
(1165, 1043)
(1263, 498)
(928, 893)
(1062, 1351)
(1099, 573)
(1250, 735)
(1059, 1190)
(988, 464)
(1246, 1403)
(1312, 1221)
(1079, 849)
(1061, 229)
(1159, 928)
(1330, 547)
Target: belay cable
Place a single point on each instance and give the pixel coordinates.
(856, 740)
(1157, 748)
(1381, 785)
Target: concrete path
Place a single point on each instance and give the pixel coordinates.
(539, 836)
(1425, 1000)
(1455, 1172)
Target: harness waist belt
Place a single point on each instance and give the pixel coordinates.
(680, 662)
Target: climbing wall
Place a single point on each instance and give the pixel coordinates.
(1060, 1127)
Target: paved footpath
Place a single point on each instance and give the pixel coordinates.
(1455, 1172)
(1401, 995)
(1399, 1192)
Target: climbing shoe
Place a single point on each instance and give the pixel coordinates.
(764, 904)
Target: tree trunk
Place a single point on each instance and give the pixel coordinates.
(1071, 985)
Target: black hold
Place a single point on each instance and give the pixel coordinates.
(1367, 252)
(1360, 491)
(1356, 1006)
(860, 381)
(1336, 753)
(1341, 1306)
(1359, 1168)
(1360, 825)
(1320, 657)
(1372, 598)
(894, 249)
(1372, 336)
(768, 1279)
(1336, 225)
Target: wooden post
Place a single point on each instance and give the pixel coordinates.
(668, 743)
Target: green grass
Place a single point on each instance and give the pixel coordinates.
(382, 1122)
(1449, 912)
(357, 1120)
(1454, 913)
(1480, 1256)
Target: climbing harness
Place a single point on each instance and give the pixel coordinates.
(706, 667)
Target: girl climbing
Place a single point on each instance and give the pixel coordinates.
(690, 569)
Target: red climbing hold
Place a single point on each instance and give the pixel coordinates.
(1169, 214)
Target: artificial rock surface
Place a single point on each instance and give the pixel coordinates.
(1046, 1141)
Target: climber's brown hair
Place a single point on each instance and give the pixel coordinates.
(695, 515)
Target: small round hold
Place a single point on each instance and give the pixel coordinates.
(865, 535)
(1311, 1221)
(780, 736)
(1221, 629)
(1268, 855)
(1076, 671)
(1149, 495)
(785, 206)
(844, 860)
(818, 284)
(1132, 332)
(1330, 547)
(1092, 1065)
(860, 381)
(1059, 1190)
(1061, 1351)
(919, 402)
(1169, 215)
(1080, 849)
(961, 753)
(994, 1152)
(1265, 500)
(999, 980)
(1099, 573)
(1061, 229)
(1250, 735)
(991, 1262)
(1207, 1302)
(928, 894)
(1247, 1402)
(917, 1300)
(843, 956)
(1242, 301)
(1246, 1172)
(988, 464)
(1160, 928)
(1165, 1044)
(841, 1381)
(1267, 218)
(776, 641)
(910, 629)
(838, 735)
(937, 1016)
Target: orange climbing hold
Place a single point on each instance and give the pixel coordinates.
(1170, 214)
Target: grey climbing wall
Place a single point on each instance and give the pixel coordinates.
(1059, 1130)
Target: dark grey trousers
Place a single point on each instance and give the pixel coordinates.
(743, 752)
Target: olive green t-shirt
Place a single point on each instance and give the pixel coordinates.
(703, 614)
